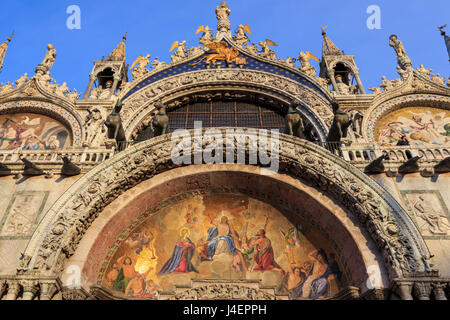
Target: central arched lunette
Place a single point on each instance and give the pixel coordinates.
(288, 195)
(60, 232)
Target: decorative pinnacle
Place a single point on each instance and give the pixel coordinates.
(10, 38)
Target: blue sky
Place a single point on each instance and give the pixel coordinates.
(154, 25)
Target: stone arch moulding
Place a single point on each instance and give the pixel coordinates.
(315, 108)
(60, 231)
(378, 111)
(290, 196)
(62, 114)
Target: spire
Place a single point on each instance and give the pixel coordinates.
(3, 48)
(118, 53)
(329, 48)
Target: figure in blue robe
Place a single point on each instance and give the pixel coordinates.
(180, 261)
(319, 286)
(214, 239)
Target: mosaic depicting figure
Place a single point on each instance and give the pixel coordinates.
(32, 132)
(222, 236)
(420, 126)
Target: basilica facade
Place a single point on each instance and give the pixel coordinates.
(226, 173)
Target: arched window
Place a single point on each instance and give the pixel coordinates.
(215, 114)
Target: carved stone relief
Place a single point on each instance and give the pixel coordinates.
(22, 213)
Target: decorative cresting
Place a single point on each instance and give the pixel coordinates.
(32, 97)
(63, 226)
(258, 75)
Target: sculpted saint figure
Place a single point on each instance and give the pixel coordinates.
(181, 52)
(241, 37)
(141, 68)
(50, 56)
(397, 45)
(266, 52)
(93, 127)
(402, 59)
(222, 11)
(343, 88)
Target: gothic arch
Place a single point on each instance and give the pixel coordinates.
(60, 231)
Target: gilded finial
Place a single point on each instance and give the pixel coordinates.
(125, 36)
(323, 30)
(10, 38)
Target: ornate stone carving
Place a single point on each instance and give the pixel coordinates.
(22, 80)
(47, 290)
(92, 128)
(207, 36)
(403, 60)
(74, 294)
(438, 290)
(141, 68)
(438, 79)
(306, 66)
(8, 87)
(30, 288)
(47, 63)
(223, 23)
(422, 290)
(181, 53)
(13, 290)
(433, 220)
(266, 52)
(425, 72)
(223, 292)
(240, 38)
(156, 64)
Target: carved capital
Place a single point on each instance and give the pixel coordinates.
(438, 290)
(404, 289)
(13, 290)
(422, 290)
(48, 290)
(30, 288)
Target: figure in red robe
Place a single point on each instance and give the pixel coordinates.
(264, 256)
